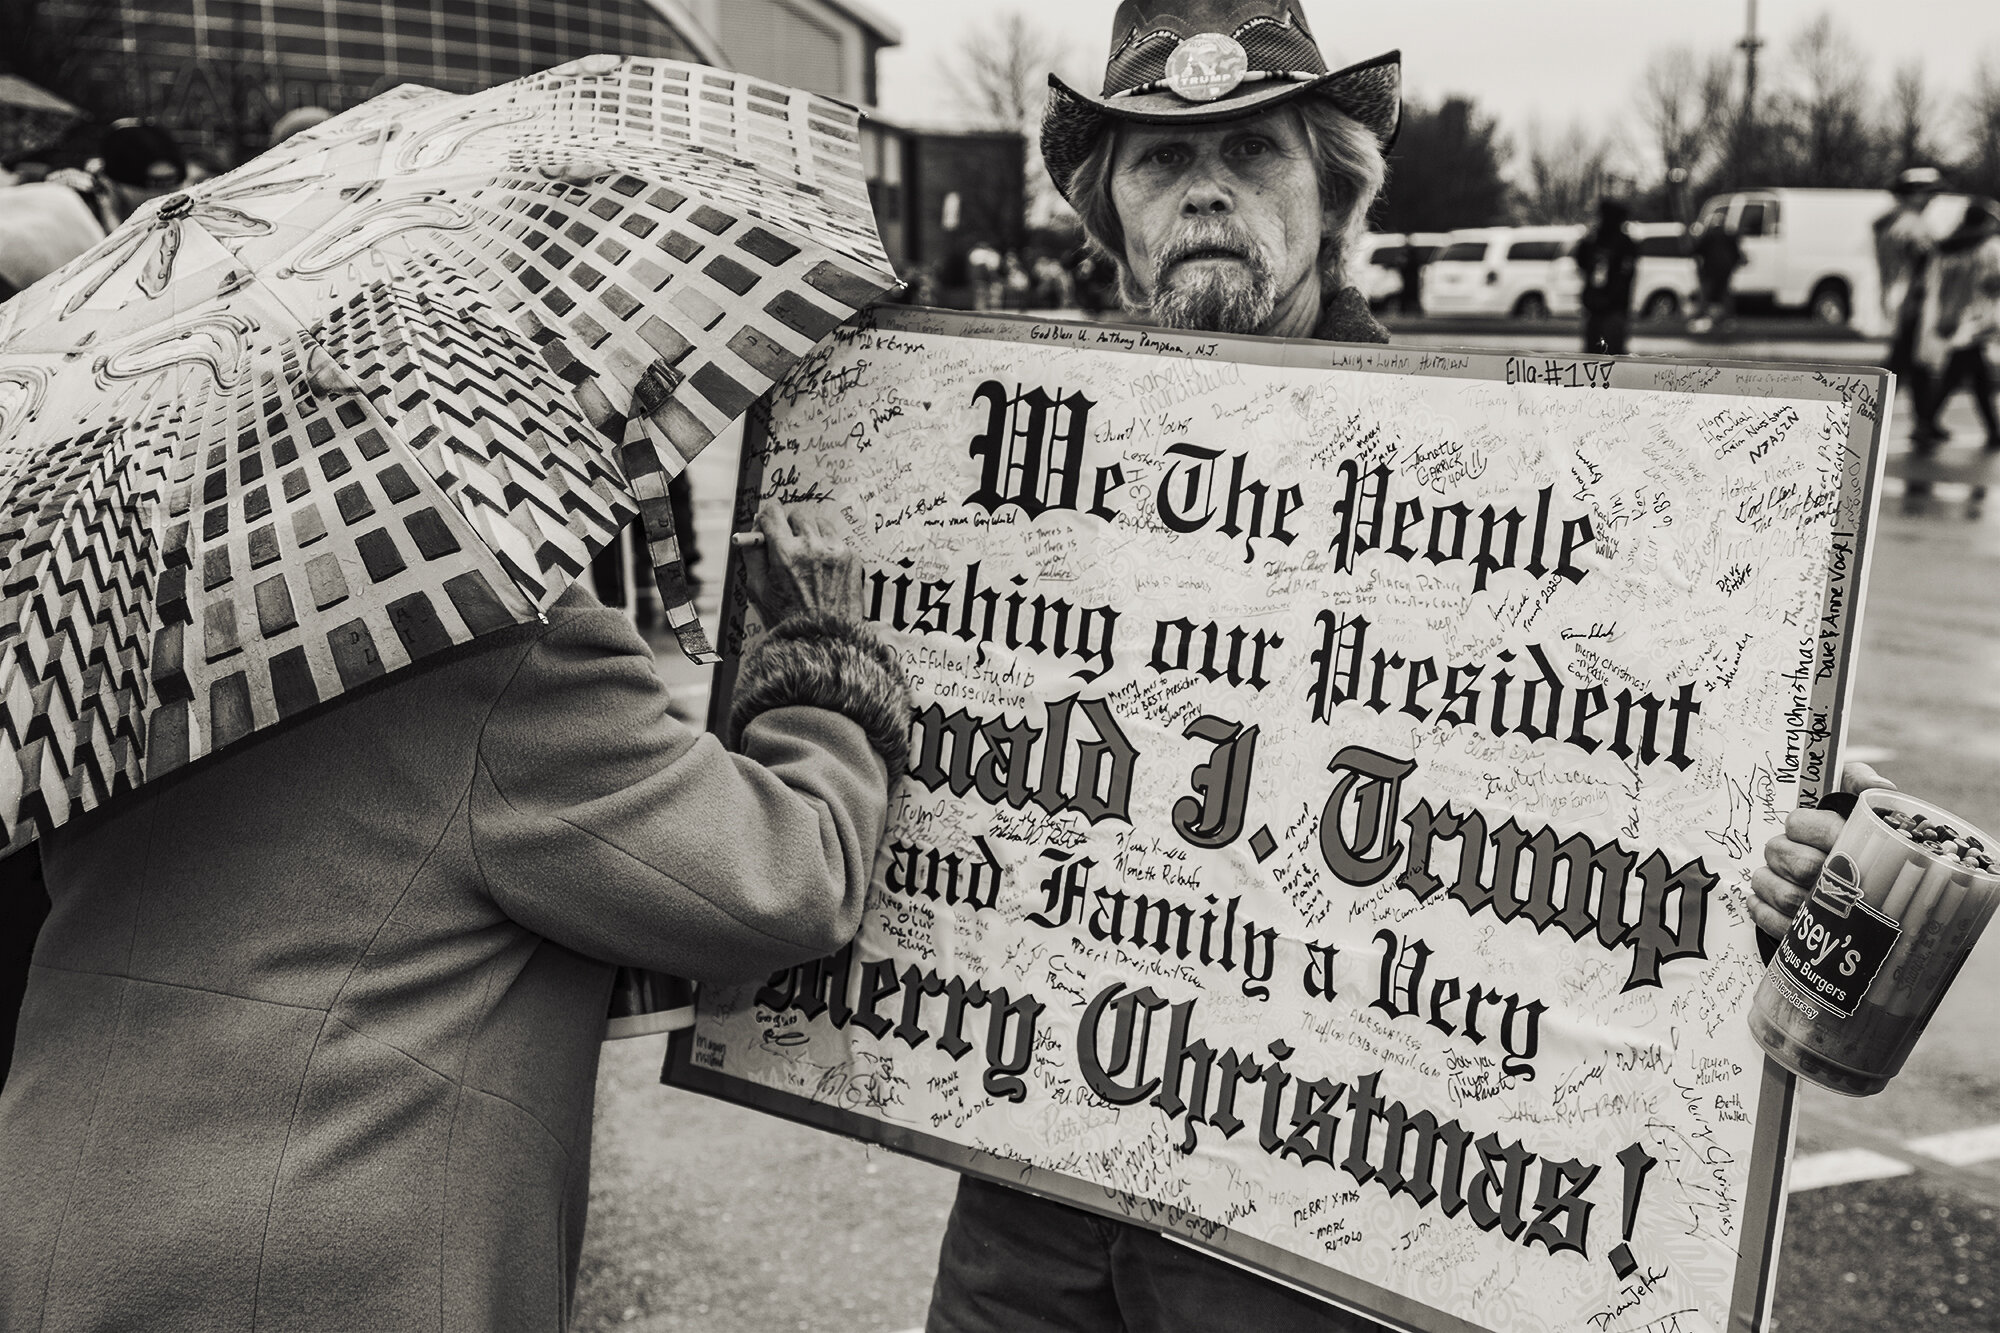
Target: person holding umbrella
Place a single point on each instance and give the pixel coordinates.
(1226, 174)
(350, 802)
(312, 1031)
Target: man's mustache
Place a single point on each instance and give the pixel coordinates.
(1212, 241)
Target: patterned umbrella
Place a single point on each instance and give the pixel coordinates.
(387, 388)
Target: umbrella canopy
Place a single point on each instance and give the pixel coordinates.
(387, 388)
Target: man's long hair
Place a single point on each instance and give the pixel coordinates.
(1347, 157)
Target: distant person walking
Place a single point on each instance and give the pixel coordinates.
(1717, 256)
(1609, 258)
(1904, 252)
(1961, 318)
(1410, 300)
(988, 282)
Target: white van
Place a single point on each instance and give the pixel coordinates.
(1814, 250)
(1522, 272)
(1666, 284)
(1378, 271)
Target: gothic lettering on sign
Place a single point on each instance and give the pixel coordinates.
(1159, 925)
(1080, 761)
(820, 989)
(1031, 453)
(1489, 539)
(1438, 1163)
(980, 615)
(1502, 696)
(948, 877)
(1187, 501)
(1233, 654)
(1454, 1009)
(1658, 911)
(1213, 816)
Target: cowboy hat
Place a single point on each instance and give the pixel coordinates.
(1197, 61)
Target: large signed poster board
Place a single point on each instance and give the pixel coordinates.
(1334, 786)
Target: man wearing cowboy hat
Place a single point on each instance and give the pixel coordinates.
(1224, 171)
(1226, 174)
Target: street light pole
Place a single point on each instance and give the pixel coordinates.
(1746, 125)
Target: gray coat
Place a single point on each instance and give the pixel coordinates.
(311, 1033)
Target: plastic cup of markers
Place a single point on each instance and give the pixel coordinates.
(1899, 904)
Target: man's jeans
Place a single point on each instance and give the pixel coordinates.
(1015, 1263)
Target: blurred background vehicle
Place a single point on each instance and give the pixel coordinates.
(1518, 272)
(1666, 286)
(1377, 268)
(1390, 263)
(1814, 250)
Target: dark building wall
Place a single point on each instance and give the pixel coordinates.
(988, 172)
(773, 40)
(219, 72)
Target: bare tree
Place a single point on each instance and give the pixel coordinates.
(1003, 69)
(1980, 172)
(1566, 175)
(1446, 170)
(1909, 119)
(1823, 126)
(1684, 106)
(1002, 78)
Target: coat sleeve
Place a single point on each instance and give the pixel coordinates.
(600, 822)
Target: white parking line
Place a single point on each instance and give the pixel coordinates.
(1844, 1167)
(1868, 754)
(1961, 1147)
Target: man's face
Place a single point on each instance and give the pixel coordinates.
(1222, 221)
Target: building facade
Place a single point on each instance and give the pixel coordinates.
(219, 73)
(828, 46)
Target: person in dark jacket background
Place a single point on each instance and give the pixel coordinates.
(1961, 316)
(1717, 256)
(1609, 259)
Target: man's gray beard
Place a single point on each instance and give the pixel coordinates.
(1213, 298)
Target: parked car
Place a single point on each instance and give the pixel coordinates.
(1523, 272)
(1666, 284)
(1377, 268)
(1814, 250)
(1379, 272)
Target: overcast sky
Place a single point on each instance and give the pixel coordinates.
(1552, 61)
